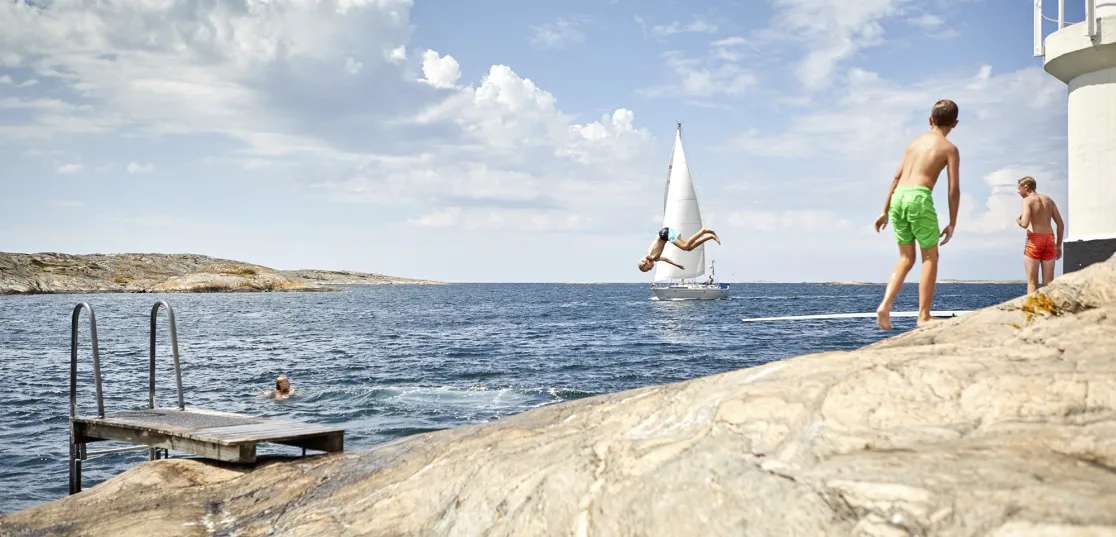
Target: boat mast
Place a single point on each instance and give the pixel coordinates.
(670, 167)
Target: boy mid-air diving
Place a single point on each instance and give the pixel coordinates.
(671, 235)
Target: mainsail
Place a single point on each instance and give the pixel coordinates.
(681, 212)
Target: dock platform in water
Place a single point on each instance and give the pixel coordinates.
(214, 435)
(210, 434)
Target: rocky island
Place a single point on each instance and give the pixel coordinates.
(998, 423)
(164, 273)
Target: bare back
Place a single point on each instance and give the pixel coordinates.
(924, 159)
(1042, 212)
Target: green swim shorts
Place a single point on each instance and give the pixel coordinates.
(913, 216)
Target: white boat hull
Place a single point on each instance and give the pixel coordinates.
(696, 291)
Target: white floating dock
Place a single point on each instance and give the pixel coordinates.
(871, 315)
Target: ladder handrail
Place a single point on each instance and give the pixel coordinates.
(73, 359)
(174, 349)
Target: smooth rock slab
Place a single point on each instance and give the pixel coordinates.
(1001, 423)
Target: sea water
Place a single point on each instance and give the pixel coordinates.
(395, 360)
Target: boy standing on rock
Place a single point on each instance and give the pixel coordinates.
(910, 206)
(1042, 248)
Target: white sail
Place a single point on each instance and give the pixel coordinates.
(681, 212)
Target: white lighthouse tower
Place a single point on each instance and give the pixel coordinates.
(1083, 55)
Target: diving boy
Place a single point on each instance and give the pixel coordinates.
(910, 205)
(671, 235)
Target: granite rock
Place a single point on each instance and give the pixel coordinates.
(998, 423)
(162, 273)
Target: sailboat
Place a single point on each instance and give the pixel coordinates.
(681, 212)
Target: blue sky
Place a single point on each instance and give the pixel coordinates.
(514, 141)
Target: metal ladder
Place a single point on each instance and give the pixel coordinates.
(78, 451)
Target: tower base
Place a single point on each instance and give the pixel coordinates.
(1077, 255)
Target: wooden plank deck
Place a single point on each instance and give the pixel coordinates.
(207, 433)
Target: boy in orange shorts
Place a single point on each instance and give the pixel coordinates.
(1042, 249)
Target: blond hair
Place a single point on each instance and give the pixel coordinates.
(1028, 183)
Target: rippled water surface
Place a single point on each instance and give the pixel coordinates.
(389, 361)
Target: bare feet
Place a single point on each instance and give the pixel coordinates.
(926, 321)
(883, 318)
(706, 230)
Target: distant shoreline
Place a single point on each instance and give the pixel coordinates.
(57, 273)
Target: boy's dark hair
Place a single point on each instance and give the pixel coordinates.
(944, 113)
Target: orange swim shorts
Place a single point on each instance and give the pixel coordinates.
(1040, 246)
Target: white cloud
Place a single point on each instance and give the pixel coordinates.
(380, 135)
(872, 115)
(434, 151)
(66, 169)
(797, 221)
(558, 34)
(5, 79)
(729, 41)
(140, 168)
(39, 104)
(440, 72)
(718, 73)
(842, 146)
(926, 21)
(28, 83)
(1004, 204)
(696, 25)
(512, 118)
(37, 152)
(214, 73)
(831, 31)
(518, 220)
(352, 66)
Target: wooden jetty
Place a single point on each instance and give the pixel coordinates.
(210, 434)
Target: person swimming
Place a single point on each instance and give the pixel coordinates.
(282, 389)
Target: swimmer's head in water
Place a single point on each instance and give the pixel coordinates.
(282, 384)
(944, 114)
(1027, 185)
(645, 264)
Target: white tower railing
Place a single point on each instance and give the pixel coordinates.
(1090, 22)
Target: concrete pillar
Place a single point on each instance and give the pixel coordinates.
(1088, 65)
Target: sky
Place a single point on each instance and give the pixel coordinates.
(511, 141)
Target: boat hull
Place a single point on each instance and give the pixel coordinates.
(691, 291)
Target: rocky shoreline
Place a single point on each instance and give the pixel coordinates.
(997, 423)
(164, 273)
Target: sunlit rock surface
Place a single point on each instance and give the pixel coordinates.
(999, 423)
